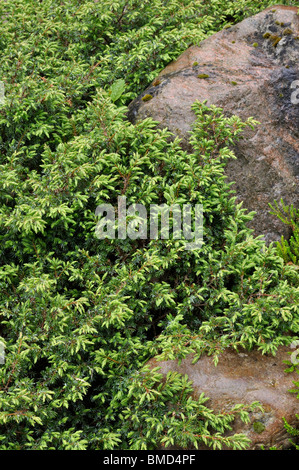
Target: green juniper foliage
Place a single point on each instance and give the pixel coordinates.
(289, 215)
(80, 317)
(294, 432)
(293, 429)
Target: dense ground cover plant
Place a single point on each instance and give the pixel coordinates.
(288, 249)
(79, 316)
(289, 215)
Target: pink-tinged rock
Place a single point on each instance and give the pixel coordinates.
(248, 75)
(245, 378)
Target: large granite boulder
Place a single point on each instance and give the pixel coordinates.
(246, 377)
(249, 69)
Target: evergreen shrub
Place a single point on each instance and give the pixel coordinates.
(80, 317)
